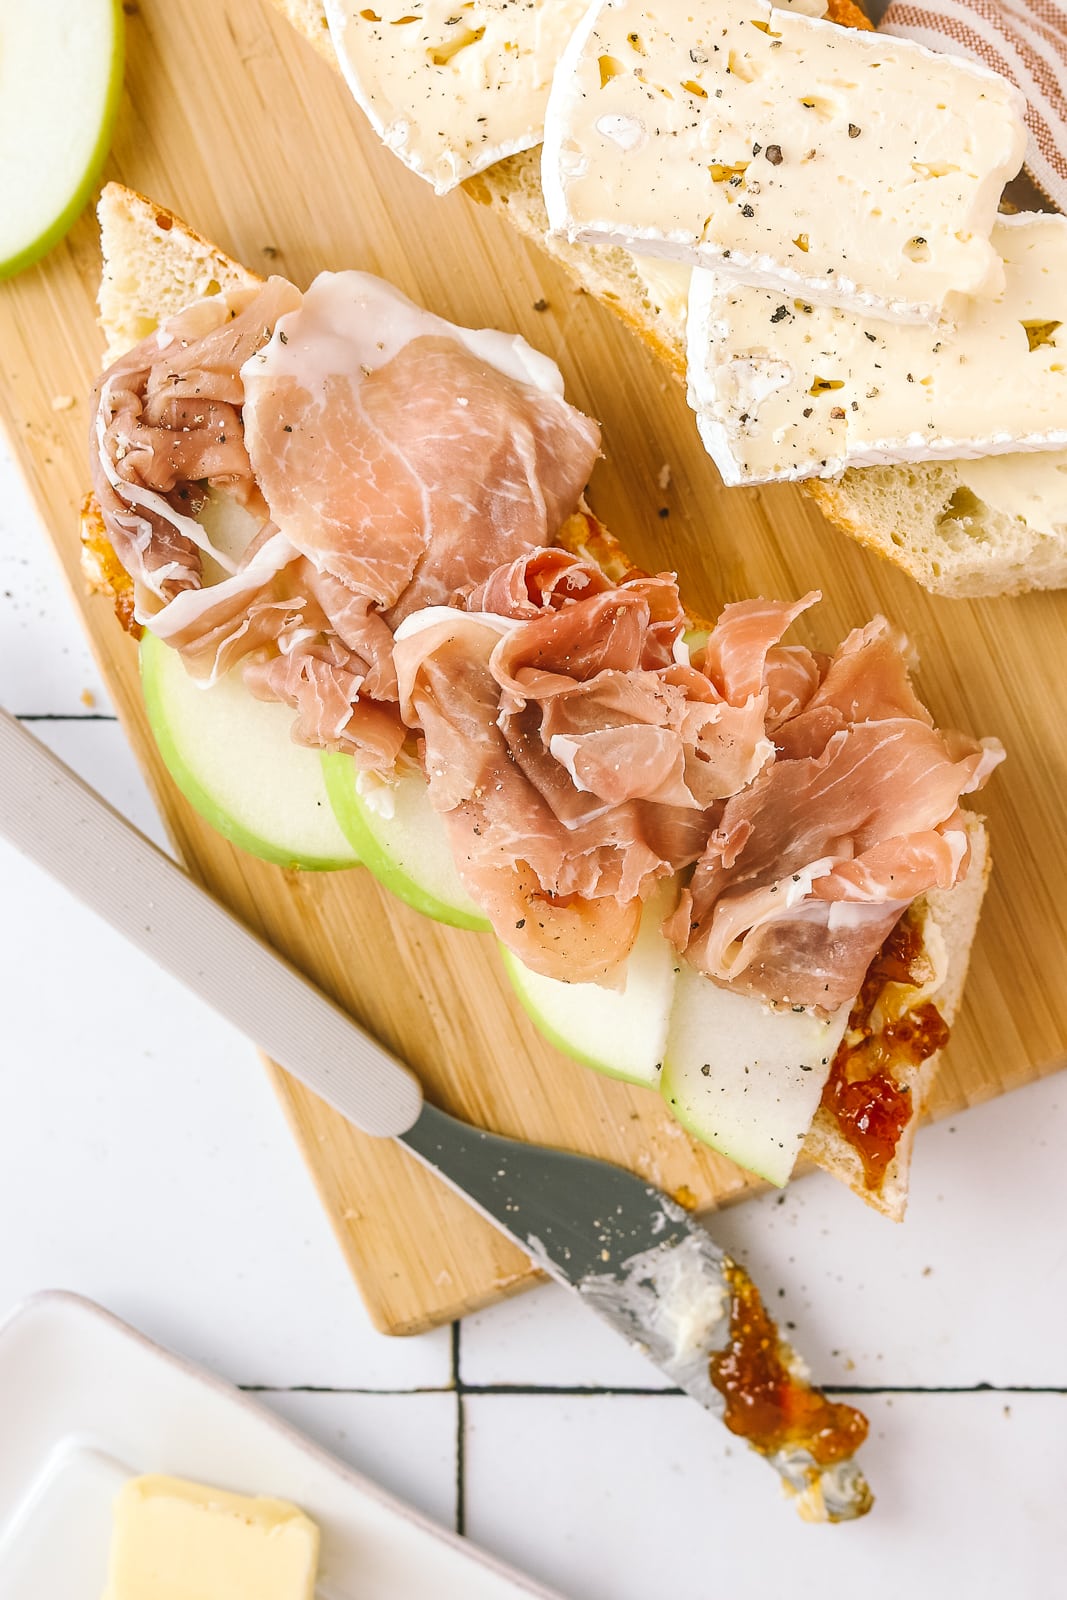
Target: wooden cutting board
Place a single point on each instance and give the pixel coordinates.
(233, 122)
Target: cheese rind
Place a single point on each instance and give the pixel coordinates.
(785, 390)
(452, 86)
(839, 164)
(173, 1539)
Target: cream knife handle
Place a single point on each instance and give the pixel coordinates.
(63, 825)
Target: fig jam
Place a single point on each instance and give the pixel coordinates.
(863, 1092)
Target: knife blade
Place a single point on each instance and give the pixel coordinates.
(634, 1256)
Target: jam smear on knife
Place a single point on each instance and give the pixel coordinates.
(767, 1404)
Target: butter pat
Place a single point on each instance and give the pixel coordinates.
(174, 1540)
(851, 168)
(784, 389)
(452, 88)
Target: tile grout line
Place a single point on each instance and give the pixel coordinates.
(460, 1513)
(594, 1391)
(65, 716)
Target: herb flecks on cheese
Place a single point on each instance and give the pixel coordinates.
(855, 169)
(452, 87)
(783, 389)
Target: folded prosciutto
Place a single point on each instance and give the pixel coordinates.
(396, 583)
(389, 459)
(808, 869)
(575, 752)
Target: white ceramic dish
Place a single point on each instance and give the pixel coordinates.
(86, 1402)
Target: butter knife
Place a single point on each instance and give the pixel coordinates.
(645, 1265)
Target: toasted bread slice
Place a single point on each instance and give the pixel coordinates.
(154, 265)
(934, 519)
(950, 915)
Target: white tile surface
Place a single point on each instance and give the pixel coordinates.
(143, 1152)
(45, 661)
(966, 1291)
(405, 1442)
(623, 1498)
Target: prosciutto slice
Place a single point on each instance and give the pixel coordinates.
(808, 869)
(167, 422)
(405, 456)
(389, 460)
(575, 750)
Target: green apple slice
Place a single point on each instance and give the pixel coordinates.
(621, 1032)
(402, 840)
(233, 759)
(60, 85)
(743, 1076)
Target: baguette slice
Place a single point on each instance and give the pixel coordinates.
(936, 520)
(153, 266)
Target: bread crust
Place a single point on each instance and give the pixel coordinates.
(134, 228)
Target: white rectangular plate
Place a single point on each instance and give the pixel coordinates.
(86, 1402)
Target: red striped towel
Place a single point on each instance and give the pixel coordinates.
(1024, 40)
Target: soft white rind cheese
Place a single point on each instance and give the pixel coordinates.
(1034, 490)
(666, 283)
(452, 86)
(784, 389)
(851, 168)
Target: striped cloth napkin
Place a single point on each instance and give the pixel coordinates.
(1024, 40)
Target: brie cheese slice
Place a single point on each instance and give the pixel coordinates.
(1034, 490)
(785, 389)
(666, 284)
(846, 167)
(452, 86)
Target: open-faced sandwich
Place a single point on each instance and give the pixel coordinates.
(353, 539)
(799, 215)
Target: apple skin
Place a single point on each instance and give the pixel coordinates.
(614, 1019)
(170, 707)
(61, 226)
(559, 1041)
(369, 837)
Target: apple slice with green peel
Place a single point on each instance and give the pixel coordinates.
(743, 1076)
(233, 759)
(402, 840)
(60, 85)
(621, 1032)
